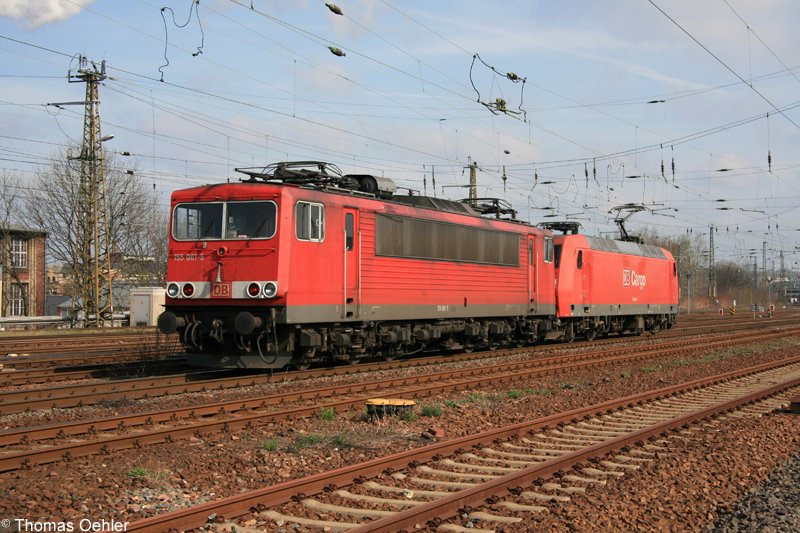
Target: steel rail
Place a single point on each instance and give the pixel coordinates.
(240, 504)
(414, 387)
(476, 496)
(595, 357)
(406, 387)
(110, 345)
(53, 374)
(88, 356)
(88, 394)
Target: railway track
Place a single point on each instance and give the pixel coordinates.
(115, 370)
(28, 446)
(502, 477)
(17, 401)
(77, 349)
(721, 325)
(71, 349)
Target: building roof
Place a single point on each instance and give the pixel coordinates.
(22, 230)
(53, 302)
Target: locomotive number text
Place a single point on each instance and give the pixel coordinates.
(189, 257)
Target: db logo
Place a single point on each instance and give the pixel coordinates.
(631, 278)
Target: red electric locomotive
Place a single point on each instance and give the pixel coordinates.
(300, 263)
(605, 286)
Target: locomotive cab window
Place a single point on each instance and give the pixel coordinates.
(310, 221)
(250, 220)
(197, 221)
(548, 250)
(580, 259)
(558, 248)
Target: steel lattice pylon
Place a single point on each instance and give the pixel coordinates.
(712, 266)
(92, 258)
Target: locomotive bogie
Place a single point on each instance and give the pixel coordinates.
(269, 345)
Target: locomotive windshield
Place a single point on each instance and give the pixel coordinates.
(224, 220)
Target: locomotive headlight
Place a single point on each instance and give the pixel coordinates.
(188, 290)
(253, 290)
(270, 289)
(173, 290)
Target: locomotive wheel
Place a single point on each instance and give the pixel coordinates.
(569, 333)
(469, 348)
(591, 334)
(304, 362)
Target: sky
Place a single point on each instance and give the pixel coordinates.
(690, 109)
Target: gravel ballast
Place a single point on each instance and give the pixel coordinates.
(683, 492)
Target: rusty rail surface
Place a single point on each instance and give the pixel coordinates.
(442, 508)
(106, 347)
(16, 401)
(53, 374)
(340, 397)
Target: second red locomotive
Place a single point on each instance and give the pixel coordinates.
(300, 264)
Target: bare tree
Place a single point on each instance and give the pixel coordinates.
(735, 280)
(141, 230)
(11, 201)
(53, 206)
(136, 222)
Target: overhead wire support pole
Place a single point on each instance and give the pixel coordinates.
(712, 272)
(764, 260)
(92, 254)
(473, 182)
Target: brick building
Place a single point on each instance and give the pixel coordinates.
(22, 271)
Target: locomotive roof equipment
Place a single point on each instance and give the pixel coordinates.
(322, 175)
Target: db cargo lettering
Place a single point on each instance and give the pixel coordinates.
(631, 279)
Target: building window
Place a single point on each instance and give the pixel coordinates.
(16, 305)
(19, 253)
(310, 221)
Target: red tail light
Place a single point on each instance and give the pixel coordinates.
(188, 290)
(253, 290)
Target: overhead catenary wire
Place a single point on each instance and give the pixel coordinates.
(511, 175)
(721, 62)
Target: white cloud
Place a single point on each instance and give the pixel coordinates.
(32, 14)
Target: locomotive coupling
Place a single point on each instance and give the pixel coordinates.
(168, 322)
(245, 323)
